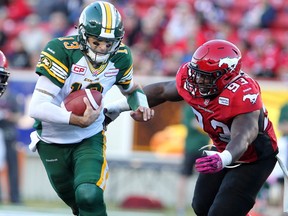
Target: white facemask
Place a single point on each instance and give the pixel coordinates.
(97, 58)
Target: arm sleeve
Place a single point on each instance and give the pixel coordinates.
(41, 106)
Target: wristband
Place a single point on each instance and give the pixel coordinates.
(226, 158)
(137, 98)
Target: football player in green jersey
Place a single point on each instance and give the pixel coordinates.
(71, 147)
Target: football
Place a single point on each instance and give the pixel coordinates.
(74, 101)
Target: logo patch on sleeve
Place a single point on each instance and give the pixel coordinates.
(224, 101)
(46, 61)
(78, 69)
(251, 97)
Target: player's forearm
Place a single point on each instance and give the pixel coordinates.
(42, 109)
(237, 147)
(49, 113)
(244, 131)
(161, 92)
(155, 94)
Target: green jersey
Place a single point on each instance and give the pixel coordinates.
(66, 66)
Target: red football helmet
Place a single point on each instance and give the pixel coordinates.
(214, 64)
(4, 74)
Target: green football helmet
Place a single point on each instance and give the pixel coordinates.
(103, 21)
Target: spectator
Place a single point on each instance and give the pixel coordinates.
(153, 26)
(37, 33)
(3, 36)
(4, 75)
(262, 58)
(45, 8)
(73, 8)
(17, 10)
(147, 60)
(4, 3)
(283, 128)
(3, 33)
(171, 62)
(132, 26)
(276, 179)
(181, 25)
(191, 46)
(9, 115)
(283, 67)
(58, 24)
(260, 15)
(18, 57)
(211, 11)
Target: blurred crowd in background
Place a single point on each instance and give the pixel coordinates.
(161, 33)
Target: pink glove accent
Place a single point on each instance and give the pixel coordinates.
(209, 164)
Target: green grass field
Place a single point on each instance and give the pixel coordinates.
(41, 208)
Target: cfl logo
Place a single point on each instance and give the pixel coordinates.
(78, 69)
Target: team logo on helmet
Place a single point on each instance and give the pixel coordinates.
(231, 62)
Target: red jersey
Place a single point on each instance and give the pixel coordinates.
(243, 95)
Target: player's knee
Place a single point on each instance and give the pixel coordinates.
(89, 197)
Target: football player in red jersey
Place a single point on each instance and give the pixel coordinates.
(228, 106)
(4, 74)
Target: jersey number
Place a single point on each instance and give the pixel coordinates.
(234, 86)
(93, 86)
(69, 45)
(216, 125)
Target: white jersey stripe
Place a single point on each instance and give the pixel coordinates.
(59, 68)
(56, 71)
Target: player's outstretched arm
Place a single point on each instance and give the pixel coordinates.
(155, 93)
(158, 93)
(135, 100)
